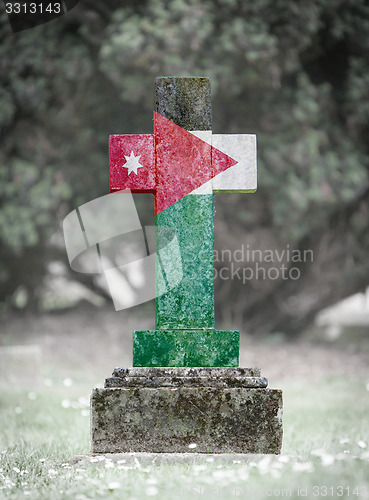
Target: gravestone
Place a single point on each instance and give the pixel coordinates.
(185, 390)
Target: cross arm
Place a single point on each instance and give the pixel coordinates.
(173, 162)
(242, 177)
(132, 163)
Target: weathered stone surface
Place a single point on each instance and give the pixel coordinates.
(254, 382)
(242, 177)
(217, 420)
(185, 347)
(186, 377)
(187, 103)
(120, 148)
(184, 162)
(166, 412)
(191, 303)
(197, 371)
(184, 101)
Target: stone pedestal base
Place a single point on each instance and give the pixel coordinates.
(165, 410)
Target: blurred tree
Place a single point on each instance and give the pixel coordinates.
(296, 74)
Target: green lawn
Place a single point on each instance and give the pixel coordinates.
(325, 451)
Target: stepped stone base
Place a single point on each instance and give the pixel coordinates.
(165, 410)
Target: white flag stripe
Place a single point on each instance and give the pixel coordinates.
(204, 135)
(242, 176)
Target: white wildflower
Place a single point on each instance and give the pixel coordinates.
(114, 485)
(275, 473)
(224, 473)
(303, 467)
(341, 456)
(327, 460)
(199, 467)
(318, 453)
(192, 446)
(264, 464)
(152, 491)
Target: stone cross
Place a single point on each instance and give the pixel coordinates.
(183, 164)
(185, 391)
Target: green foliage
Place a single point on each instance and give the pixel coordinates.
(313, 166)
(294, 73)
(31, 199)
(268, 61)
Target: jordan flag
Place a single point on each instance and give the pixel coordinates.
(174, 162)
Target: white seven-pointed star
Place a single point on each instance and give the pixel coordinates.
(132, 163)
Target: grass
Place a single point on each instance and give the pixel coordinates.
(325, 451)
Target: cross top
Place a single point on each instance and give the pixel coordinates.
(175, 162)
(182, 163)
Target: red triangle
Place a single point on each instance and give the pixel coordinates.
(183, 162)
(220, 161)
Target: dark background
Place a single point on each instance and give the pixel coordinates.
(294, 73)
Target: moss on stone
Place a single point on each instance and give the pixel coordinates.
(168, 420)
(185, 101)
